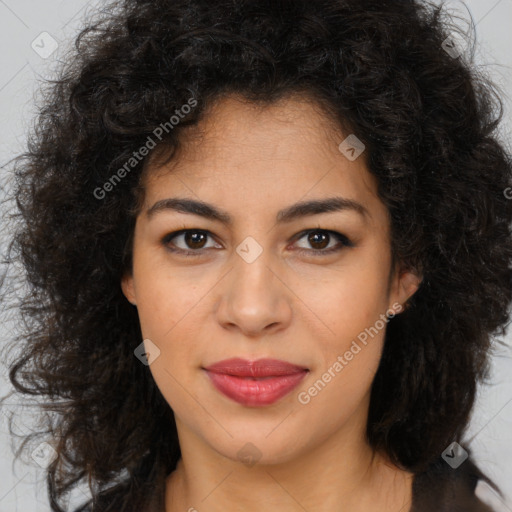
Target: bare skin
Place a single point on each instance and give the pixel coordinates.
(291, 303)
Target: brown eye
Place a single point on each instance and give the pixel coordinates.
(320, 240)
(195, 239)
(190, 241)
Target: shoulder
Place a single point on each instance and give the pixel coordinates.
(445, 489)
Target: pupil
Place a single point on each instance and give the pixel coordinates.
(320, 237)
(193, 239)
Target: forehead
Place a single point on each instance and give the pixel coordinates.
(258, 157)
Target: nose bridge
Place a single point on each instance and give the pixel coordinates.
(252, 263)
(252, 280)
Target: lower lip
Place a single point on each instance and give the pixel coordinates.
(255, 393)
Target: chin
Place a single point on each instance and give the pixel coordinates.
(261, 449)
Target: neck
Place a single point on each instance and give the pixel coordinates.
(340, 473)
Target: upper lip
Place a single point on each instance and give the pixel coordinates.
(258, 368)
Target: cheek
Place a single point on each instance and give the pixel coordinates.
(166, 296)
(347, 299)
(168, 303)
(348, 357)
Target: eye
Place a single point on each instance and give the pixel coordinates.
(194, 239)
(319, 239)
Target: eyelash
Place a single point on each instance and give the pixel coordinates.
(342, 239)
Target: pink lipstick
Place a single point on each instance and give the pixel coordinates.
(255, 383)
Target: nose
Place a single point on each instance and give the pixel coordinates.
(254, 298)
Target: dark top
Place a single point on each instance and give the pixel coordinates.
(438, 489)
(444, 489)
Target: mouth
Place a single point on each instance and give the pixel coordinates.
(255, 383)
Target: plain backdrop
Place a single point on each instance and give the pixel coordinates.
(33, 36)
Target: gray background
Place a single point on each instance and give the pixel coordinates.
(24, 64)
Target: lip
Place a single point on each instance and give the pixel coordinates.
(255, 383)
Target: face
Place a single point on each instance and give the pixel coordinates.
(253, 276)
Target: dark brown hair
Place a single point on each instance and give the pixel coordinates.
(428, 121)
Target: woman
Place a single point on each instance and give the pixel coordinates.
(268, 244)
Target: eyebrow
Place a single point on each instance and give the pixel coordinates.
(293, 212)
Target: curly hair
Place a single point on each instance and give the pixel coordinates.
(428, 121)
